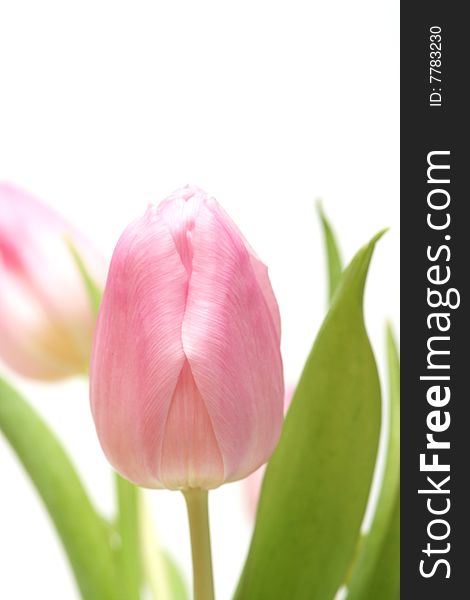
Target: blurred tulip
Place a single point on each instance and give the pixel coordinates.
(46, 321)
(186, 372)
(252, 485)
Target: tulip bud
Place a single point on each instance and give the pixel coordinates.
(46, 321)
(186, 372)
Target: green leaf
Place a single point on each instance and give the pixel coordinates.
(317, 483)
(128, 549)
(176, 580)
(334, 262)
(376, 573)
(83, 533)
(92, 288)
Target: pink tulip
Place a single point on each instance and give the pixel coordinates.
(46, 321)
(186, 371)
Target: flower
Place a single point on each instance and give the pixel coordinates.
(46, 321)
(186, 372)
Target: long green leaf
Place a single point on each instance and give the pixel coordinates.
(333, 257)
(127, 526)
(82, 531)
(317, 483)
(377, 570)
(176, 580)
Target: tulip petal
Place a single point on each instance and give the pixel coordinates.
(138, 354)
(261, 273)
(180, 211)
(259, 268)
(232, 345)
(35, 237)
(190, 456)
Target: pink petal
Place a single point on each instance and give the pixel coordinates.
(138, 354)
(252, 484)
(190, 457)
(259, 268)
(232, 345)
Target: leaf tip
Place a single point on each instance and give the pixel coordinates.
(378, 235)
(389, 329)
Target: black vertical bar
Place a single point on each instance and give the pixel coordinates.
(435, 123)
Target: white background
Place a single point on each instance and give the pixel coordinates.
(108, 106)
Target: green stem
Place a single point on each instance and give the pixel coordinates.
(198, 515)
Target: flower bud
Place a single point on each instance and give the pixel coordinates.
(186, 372)
(46, 320)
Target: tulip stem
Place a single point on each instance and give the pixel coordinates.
(198, 515)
